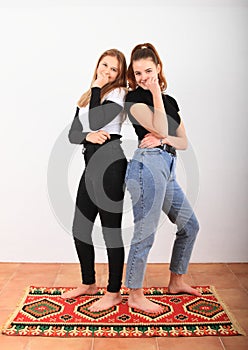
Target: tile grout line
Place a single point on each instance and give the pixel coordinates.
(59, 270)
(92, 344)
(222, 344)
(240, 284)
(8, 281)
(27, 346)
(157, 346)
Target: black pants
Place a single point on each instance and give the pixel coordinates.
(101, 191)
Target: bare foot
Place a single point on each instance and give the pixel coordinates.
(82, 289)
(177, 285)
(106, 302)
(137, 300)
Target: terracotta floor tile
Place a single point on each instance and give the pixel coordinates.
(70, 268)
(203, 343)
(66, 281)
(25, 282)
(157, 276)
(235, 343)
(3, 284)
(125, 344)
(6, 275)
(32, 280)
(32, 269)
(46, 343)
(243, 280)
(31, 273)
(239, 267)
(158, 279)
(4, 316)
(208, 268)
(157, 267)
(234, 298)
(241, 316)
(102, 279)
(68, 273)
(10, 298)
(13, 343)
(219, 280)
(8, 267)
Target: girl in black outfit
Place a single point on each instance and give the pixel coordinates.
(101, 186)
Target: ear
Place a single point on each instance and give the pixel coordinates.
(158, 68)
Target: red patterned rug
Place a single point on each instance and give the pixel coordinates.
(42, 312)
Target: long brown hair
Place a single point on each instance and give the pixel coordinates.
(119, 82)
(143, 51)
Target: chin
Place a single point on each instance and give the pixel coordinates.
(143, 86)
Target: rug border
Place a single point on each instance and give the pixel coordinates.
(14, 313)
(18, 307)
(232, 318)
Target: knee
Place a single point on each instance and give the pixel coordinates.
(190, 228)
(194, 225)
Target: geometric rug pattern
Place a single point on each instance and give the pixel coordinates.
(42, 312)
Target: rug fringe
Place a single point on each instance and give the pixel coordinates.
(15, 312)
(228, 312)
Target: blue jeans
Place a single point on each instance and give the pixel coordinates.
(151, 181)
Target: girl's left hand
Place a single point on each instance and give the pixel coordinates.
(152, 84)
(149, 141)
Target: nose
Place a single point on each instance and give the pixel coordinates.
(107, 72)
(143, 76)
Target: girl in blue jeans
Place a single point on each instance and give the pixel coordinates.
(150, 176)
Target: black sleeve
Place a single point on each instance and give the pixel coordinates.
(129, 101)
(101, 114)
(173, 102)
(76, 134)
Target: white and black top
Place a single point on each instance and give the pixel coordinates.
(107, 116)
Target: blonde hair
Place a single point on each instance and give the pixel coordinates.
(119, 82)
(143, 51)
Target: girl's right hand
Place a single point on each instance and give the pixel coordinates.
(98, 137)
(101, 80)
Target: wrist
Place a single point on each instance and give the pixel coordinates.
(96, 85)
(88, 136)
(156, 92)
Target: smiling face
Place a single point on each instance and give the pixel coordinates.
(109, 66)
(145, 69)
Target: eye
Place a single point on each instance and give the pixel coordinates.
(137, 73)
(149, 71)
(114, 70)
(104, 64)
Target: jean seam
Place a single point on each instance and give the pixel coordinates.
(142, 222)
(180, 260)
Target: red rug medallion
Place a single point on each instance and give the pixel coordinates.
(42, 312)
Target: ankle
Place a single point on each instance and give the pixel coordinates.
(136, 293)
(113, 294)
(176, 278)
(89, 285)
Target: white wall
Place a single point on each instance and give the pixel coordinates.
(48, 52)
